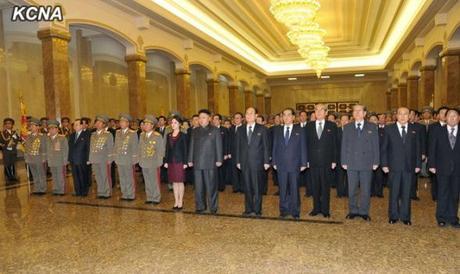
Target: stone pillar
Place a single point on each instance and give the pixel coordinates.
(183, 93)
(412, 91)
(450, 92)
(249, 98)
(426, 90)
(394, 98)
(213, 86)
(55, 55)
(268, 104)
(260, 103)
(233, 91)
(388, 99)
(84, 67)
(136, 85)
(402, 94)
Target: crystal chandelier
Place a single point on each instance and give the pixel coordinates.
(299, 16)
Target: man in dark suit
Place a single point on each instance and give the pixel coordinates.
(9, 140)
(421, 134)
(252, 158)
(205, 155)
(379, 176)
(321, 137)
(271, 132)
(401, 157)
(289, 159)
(360, 157)
(444, 162)
(342, 180)
(79, 144)
(216, 122)
(303, 182)
(432, 129)
(235, 173)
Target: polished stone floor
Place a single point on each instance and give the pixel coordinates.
(49, 234)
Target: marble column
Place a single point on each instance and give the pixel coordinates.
(388, 99)
(260, 103)
(233, 91)
(450, 92)
(4, 104)
(85, 71)
(183, 93)
(268, 105)
(136, 85)
(55, 55)
(394, 98)
(412, 91)
(213, 102)
(249, 98)
(402, 94)
(426, 90)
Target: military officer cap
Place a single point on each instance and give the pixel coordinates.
(427, 109)
(102, 118)
(53, 123)
(150, 119)
(125, 117)
(35, 121)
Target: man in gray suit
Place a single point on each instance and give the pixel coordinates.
(205, 155)
(57, 149)
(360, 156)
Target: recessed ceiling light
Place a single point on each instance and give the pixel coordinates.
(292, 78)
(360, 75)
(325, 76)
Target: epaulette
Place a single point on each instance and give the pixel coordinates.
(156, 133)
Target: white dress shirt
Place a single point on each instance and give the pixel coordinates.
(400, 128)
(290, 130)
(252, 127)
(449, 130)
(359, 122)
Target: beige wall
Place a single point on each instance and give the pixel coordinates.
(372, 94)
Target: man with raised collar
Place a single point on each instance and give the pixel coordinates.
(252, 158)
(216, 122)
(304, 175)
(9, 140)
(360, 157)
(100, 156)
(321, 138)
(421, 134)
(401, 157)
(35, 156)
(444, 162)
(79, 146)
(380, 177)
(235, 173)
(57, 149)
(151, 153)
(125, 155)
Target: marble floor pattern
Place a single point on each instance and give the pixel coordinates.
(50, 234)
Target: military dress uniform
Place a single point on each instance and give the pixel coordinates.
(100, 157)
(35, 158)
(125, 155)
(151, 154)
(9, 140)
(57, 148)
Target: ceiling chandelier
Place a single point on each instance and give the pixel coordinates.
(299, 16)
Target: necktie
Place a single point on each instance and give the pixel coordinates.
(359, 129)
(76, 137)
(320, 130)
(403, 133)
(452, 138)
(286, 136)
(249, 134)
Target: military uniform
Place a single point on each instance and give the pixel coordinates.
(9, 140)
(35, 158)
(100, 157)
(151, 153)
(125, 155)
(57, 149)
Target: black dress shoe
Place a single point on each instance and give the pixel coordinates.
(175, 208)
(283, 216)
(180, 208)
(327, 215)
(296, 217)
(351, 216)
(198, 211)
(407, 222)
(392, 221)
(312, 213)
(39, 193)
(246, 214)
(455, 225)
(441, 224)
(258, 215)
(148, 202)
(366, 218)
(155, 203)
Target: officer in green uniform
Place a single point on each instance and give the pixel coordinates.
(57, 148)
(35, 156)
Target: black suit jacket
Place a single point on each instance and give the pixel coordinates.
(321, 152)
(292, 156)
(205, 147)
(225, 141)
(79, 149)
(178, 151)
(232, 140)
(399, 156)
(441, 156)
(255, 154)
(431, 134)
(422, 135)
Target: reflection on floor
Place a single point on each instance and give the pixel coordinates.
(43, 234)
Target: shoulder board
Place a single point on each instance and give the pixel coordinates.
(156, 133)
(132, 131)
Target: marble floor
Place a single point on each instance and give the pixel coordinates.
(49, 234)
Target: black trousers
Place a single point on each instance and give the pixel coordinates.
(206, 193)
(236, 176)
(447, 203)
(321, 188)
(80, 174)
(289, 193)
(414, 186)
(378, 182)
(434, 186)
(253, 190)
(221, 178)
(342, 182)
(308, 183)
(400, 202)
(9, 164)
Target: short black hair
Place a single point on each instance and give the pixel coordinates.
(218, 115)
(161, 117)
(442, 107)
(238, 113)
(8, 119)
(453, 109)
(344, 114)
(65, 119)
(261, 116)
(303, 111)
(205, 111)
(290, 109)
(195, 116)
(85, 120)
